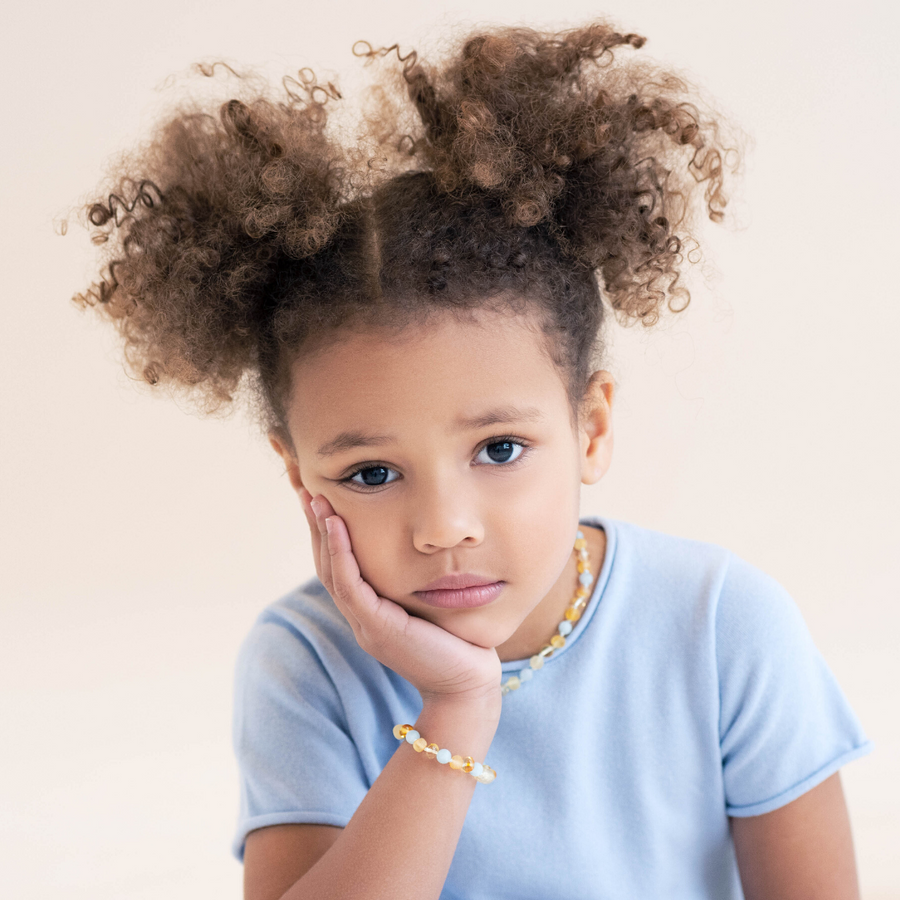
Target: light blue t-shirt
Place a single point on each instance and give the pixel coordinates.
(689, 691)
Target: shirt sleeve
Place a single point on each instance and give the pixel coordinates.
(785, 725)
(296, 760)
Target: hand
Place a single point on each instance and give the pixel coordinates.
(438, 664)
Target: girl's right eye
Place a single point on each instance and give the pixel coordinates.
(373, 476)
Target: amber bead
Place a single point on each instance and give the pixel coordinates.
(468, 764)
(573, 614)
(431, 751)
(580, 544)
(420, 745)
(582, 566)
(487, 775)
(513, 682)
(400, 731)
(558, 641)
(457, 762)
(582, 591)
(536, 661)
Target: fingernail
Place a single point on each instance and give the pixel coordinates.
(328, 524)
(316, 507)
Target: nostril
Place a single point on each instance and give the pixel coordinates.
(445, 539)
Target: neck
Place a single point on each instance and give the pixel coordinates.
(543, 620)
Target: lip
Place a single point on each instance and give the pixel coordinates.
(461, 591)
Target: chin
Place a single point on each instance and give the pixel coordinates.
(482, 634)
(484, 627)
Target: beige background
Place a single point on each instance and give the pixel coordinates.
(138, 543)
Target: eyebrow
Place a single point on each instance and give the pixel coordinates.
(503, 415)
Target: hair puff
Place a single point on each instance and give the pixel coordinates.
(558, 168)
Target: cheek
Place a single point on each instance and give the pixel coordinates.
(372, 540)
(529, 522)
(547, 502)
(535, 523)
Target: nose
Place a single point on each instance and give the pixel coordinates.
(443, 517)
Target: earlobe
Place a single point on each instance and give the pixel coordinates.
(596, 427)
(290, 461)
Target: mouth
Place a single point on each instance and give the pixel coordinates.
(460, 591)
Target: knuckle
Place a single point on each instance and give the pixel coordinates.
(377, 634)
(344, 593)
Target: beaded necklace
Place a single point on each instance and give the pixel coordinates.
(564, 629)
(479, 771)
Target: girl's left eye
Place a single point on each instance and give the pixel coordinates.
(500, 452)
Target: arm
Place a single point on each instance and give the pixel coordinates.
(802, 851)
(400, 841)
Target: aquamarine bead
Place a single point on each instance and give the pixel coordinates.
(526, 674)
(412, 736)
(443, 756)
(565, 628)
(585, 578)
(579, 535)
(477, 769)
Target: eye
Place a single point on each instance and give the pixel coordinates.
(500, 452)
(373, 476)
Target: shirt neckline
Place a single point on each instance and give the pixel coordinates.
(600, 583)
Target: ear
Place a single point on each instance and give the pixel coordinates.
(595, 427)
(290, 461)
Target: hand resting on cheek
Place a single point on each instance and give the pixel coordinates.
(435, 662)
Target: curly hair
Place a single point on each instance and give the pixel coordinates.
(540, 168)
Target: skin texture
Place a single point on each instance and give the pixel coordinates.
(802, 851)
(447, 510)
(451, 510)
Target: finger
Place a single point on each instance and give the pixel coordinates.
(344, 567)
(305, 498)
(314, 534)
(316, 528)
(321, 508)
(349, 586)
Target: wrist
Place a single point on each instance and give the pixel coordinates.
(464, 724)
(484, 702)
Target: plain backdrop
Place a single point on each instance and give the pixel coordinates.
(139, 542)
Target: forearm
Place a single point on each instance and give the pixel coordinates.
(401, 840)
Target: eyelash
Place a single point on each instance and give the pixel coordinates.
(503, 439)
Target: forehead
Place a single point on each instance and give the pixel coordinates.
(446, 370)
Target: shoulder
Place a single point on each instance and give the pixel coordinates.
(657, 553)
(300, 644)
(307, 613)
(672, 562)
(302, 623)
(660, 571)
(696, 589)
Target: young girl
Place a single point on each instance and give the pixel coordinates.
(480, 696)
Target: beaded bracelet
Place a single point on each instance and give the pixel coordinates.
(479, 771)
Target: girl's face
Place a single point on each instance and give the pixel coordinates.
(449, 448)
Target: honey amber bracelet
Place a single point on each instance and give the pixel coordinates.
(479, 771)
